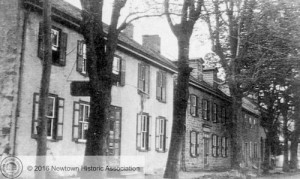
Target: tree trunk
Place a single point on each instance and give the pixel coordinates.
(236, 141)
(285, 167)
(295, 138)
(266, 162)
(180, 105)
(44, 90)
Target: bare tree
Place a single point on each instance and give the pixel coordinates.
(190, 13)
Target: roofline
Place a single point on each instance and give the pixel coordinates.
(208, 90)
(74, 23)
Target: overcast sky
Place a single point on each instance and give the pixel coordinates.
(150, 26)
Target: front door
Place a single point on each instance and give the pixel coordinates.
(206, 149)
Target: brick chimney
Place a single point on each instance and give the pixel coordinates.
(197, 66)
(210, 76)
(152, 42)
(128, 31)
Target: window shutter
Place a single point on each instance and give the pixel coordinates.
(158, 85)
(60, 118)
(75, 132)
(140, 77)
(203, 109)
(157, 134)
(79, 66)
(123, 70)
(199, 107)
(40, 42)
(147, 79)
(164, 86)
(149, 131)
(35, 115)
(166, 144)
(208, 110)
(63, 49)
(138, 131)
(198, 144)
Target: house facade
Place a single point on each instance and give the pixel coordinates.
(207, 143)
(142, 95)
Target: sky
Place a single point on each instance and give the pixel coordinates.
(199, 45)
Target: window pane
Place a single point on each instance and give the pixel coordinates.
(116, 66)
(50, 107)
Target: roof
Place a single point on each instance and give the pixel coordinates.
(69, 15)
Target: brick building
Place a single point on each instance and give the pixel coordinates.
(207, 142)
(142, 97)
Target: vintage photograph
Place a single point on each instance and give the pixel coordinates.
(149, 89)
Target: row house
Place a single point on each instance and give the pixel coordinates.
(142, 95)
(207, 143)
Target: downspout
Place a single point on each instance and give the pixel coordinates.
(14, 123)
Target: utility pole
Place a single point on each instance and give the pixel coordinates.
(44, 90)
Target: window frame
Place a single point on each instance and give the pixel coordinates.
(195, 106)
(205, 109)
(195, 145)
(215, 145)
(143, 78)
(161, 134)
(215, 113)
(143, 144)
(81, 134)
(161, 85)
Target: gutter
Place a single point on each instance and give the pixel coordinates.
(14, 123)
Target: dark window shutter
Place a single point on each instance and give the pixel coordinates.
(40, 42)
(140, 77)
(149, 132)
(63, 49)
(158, 85)
(208, 110)
(166, 141)
(157, 134)
(198, 144)
(79, 66)
(138, 132)
(60, 118)
(203, 109)
(199, 107)
(35, 115)
(123, 70)
(147, 79)
(75, 131)
(164, 86)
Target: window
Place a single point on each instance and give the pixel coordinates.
(118, 71)
(84, 113)
(194, 143)
(215, 145)
(224, 147)
(59, 45)
(246, 154)
(161, 81)
(194, 105)
(255, 150)
(215, 113)
(143, 78)
(161, 134)
(54, 114)
(143, 132)
(205, 110)
(223, 115)
(250, 150)
(81, 57)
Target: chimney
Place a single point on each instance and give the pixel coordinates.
(197, 66)
(128, 31)
(210, 76)
(152, 42)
